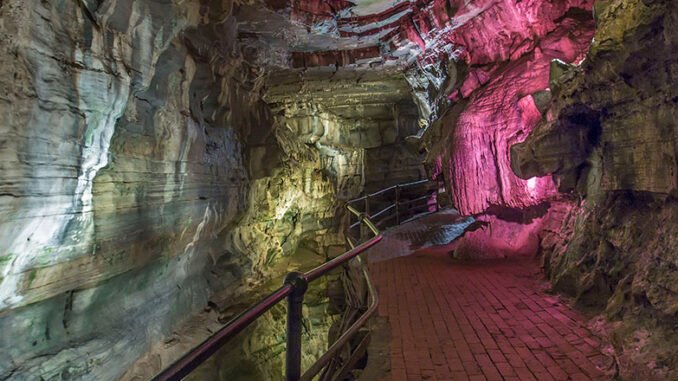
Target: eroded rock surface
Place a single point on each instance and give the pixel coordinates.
(144, 178)
(618, 253)
(494, 106)
(159, 157)
(121, 170)
(135, 141)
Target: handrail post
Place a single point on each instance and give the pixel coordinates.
(367, 213)
(397, 204)
(295, 304)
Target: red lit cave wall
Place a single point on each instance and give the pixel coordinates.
(618, 252)
(506, 49)
(508, 59)
(502, 51)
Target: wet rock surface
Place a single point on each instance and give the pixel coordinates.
(123, 166)
(141, 176)
(145, 177)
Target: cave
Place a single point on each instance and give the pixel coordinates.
(340, 190)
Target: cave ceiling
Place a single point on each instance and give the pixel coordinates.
(426, 46)
(353, 59)
(311, 33)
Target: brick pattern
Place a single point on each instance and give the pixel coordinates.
(481, 321)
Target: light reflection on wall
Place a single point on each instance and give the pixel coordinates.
(532, 184)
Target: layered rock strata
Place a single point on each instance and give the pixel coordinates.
(134, 144)
(358, 119)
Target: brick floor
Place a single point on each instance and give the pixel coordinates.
(479, 321)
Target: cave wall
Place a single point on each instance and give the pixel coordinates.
(358, 119)
(504, 54)
(135, 142)
(610, 140)
(487, 92)
(148, 189)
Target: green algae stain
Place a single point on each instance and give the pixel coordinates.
(270, 257)
(4, 259)
(31, 276)
(45, 255)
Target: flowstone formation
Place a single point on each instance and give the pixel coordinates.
(610, 139)
(497, 87)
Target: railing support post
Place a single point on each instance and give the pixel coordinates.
(363, 231)
(295, 304)
(397, 204)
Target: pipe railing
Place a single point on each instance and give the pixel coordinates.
(401, 207)
(293, 289)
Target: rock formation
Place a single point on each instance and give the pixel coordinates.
(610, 139)
(127, 127)
(144, 177)
(165, 162)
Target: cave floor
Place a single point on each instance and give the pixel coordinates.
(483, 320)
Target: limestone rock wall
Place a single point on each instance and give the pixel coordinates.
(134, 142)
(503, 53)
(357, 119)
(617, 251)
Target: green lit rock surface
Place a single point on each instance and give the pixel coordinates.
(143, 178)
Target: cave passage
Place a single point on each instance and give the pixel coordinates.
(446, 318)
(167, 164)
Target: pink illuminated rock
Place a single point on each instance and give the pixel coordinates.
(501, 111)
(499, 239)
(505, 232)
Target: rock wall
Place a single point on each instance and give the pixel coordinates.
(610, 140)
(504, 55)
(487, 93)
(134, 144)
(357, 118)
(144, 178)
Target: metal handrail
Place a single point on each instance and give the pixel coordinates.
(189, 362)
(348, 334)
(371, 221)
(402, 208)
(392, 187)
(294, 288)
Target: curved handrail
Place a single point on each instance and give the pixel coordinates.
(293, 289)
(369, 221)
(297, 283)
(189, 362)
(401, 206)
(392, 187)
(348, 334)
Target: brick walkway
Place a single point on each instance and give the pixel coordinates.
(479, 321)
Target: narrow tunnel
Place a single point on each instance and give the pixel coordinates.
(339, 190)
